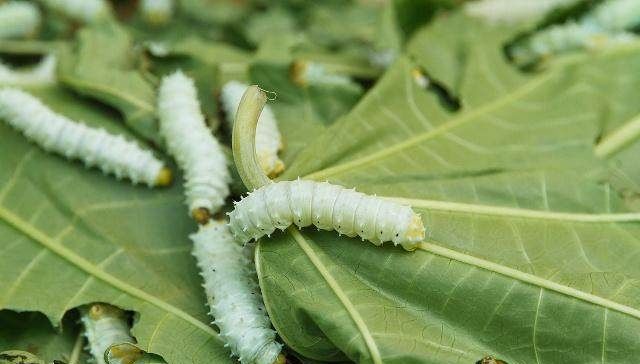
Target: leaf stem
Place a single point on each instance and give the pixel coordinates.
(619, 138)
(244, 138)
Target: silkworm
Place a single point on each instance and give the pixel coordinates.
(95, 147)
(420, 78)
(196, 150)
(328, 207)
(86, 11)
(44, 73)
(18, 19)
(513, 11)
(383, 58)
(104, 325)
(602, 27)
(268, 138)
(306, 73)
(567, 37)
(157, 11)
(234, 296)
(614, 15)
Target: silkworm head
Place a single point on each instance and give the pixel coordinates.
(415, 231)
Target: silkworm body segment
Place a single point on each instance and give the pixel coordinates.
(233, 295)
(268, 138)
(95, 147)
(195, 149)
(104, 325)
(328, 207)
(18, 19)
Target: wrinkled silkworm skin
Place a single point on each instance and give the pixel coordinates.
(157, 12)
(104, 325)
(95, 147)
(86, 11)
(18, 19)
(234, 296)
(328, 207)
(567, 37)
(44, 73)
(513, 11)
(268, 138)
(196, 150)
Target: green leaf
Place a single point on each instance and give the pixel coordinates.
(32, 332)
(531, 255)
(275, 21)
(74, 236)
(401, 18)
(101, 66)
(342, 23)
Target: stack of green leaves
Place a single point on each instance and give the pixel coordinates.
(533, 223)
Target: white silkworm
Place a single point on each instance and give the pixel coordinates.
(44, 73)
(328, 207)
(196, 150)
(234, 296)
(312, 73)
(568, 37)
(513, 11)
(383, 58)
(18, 19)
(95, 147)
(104, 325)
(157, 11)
(86, 11)
(420, 78)
(614, 15)
(268, 138)
(602, 27)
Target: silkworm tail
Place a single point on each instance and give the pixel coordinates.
(165, 177)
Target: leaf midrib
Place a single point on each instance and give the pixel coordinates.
(91, 269)
(516, 212)
(527, 87)
(528, 279)
(374, 353)
(454, 122)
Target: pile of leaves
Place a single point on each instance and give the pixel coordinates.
(533, 249)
